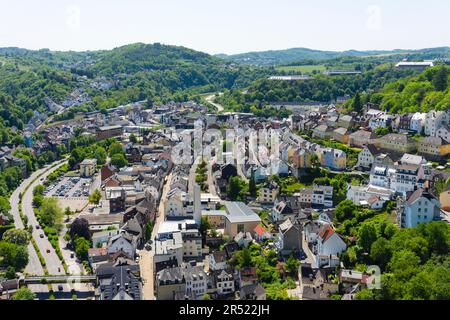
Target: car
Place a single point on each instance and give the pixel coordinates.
(41, 236)
(72, 255)
(60, 287)
(48, 250)
(37, 227)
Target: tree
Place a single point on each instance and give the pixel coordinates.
(133, 138)
(148, 230)
(235, 188)
(81, 247)
(16, 236)
(10, 273)
(205, 225)
(24, 294)
(367, 235)
(357, 103)
(51, 214)
(380, 252)
(244, 258)
(292, 265)
(115, 148)
(206, 297)
(79, 228)
(95, 197)
(119, 160)
(100, 154)
(13, 255)
(345, 210)
(440, 79)
(252, 185)
(381, 131)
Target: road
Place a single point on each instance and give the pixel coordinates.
(54, 265)
(146, 257)
(34, 266)
(211, 100)
(210, 180)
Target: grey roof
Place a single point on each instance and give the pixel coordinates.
(120, 282)
(240, 212)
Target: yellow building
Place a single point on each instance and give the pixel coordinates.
(445, 199)
(434, 148)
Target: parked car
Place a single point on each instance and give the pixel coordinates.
(48, 250)
(41, 235)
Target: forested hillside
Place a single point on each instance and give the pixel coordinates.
(428, 91)
(134, 72)
(321, 88)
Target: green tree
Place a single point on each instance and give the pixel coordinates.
(81, 247)
(95, 197)
(13, 255)
(16, 236)
(252, 185)
(115, 148)
(100, 154)
(133, 138)
(440, 79)
(51, 214)
(119, 160)
(380, 252)
(357, 103)
(367, 235)
(235, 188)
(10, 273)
(24, 294)
(345, 210)
(292, 265)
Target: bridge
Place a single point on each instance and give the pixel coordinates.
(58, 279)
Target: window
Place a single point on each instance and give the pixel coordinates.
(240, 228)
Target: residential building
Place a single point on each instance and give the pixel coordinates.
(289, 237)
(400, 143)
(443, 133)
(333, 159)
(420, 206)
(434, 121)
(434, 148)
(224, 283)
(268, 192)
(366, 157)
(418, 122)
(361, 138)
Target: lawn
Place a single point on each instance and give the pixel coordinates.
(302, 69)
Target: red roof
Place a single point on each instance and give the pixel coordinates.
(326, 232)
(259, 230)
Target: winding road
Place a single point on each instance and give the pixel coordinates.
(211, 100)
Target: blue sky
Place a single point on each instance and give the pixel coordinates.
(225, 26)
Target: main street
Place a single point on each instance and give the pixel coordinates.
(146, 261)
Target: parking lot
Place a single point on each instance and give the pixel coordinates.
(70, 187)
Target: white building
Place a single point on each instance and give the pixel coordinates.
(366, 157)
(329, 243)
(225, 283)
(419, 207)
(418, 122)
(444, 133)
(434, 121)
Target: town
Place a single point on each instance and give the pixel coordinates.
(120, 215)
